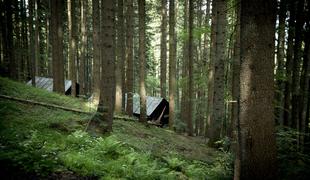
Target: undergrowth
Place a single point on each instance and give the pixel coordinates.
(45, 142)
(294, 163)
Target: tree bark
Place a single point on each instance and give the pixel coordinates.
(72, 45)
(217, 99)
(107, 90)
(96, 49)
(57, 46)
(172, 63)
(121, 58)
(142, 60)
(184, 97)
(296, 64)
(281, 62)
(190, 68)
(289, 66)
(37, 40)
(129, 57)
(83, 64)
(304, 86)
(257, 146)
(163, 50)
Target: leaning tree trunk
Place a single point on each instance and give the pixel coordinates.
(257, 145)
(57, 46)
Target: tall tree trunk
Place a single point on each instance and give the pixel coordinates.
(57, 46)
(48, 40)
(163, 50)
(211, 68)
(32, 42)
(72, 44)
(280, 62)
(296, 64)
(142, 60)
(121, 58)
(172, 63)
(184, 97)
(9, 40)
(235, 128)
(257, 146)
(25, 58)
(190, 68)
(289, 66)
(37, 39)
(96, 52)
(218, 42)
(107, 90)
(129, 57)
(82, 70)
(206, 57)
(304, 85)
(18, 39)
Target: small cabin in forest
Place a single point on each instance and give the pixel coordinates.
(47, 84)
(157, 109)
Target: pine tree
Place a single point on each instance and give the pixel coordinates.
(120, 74)
(57, 46)
(107, 90)
(256, 133)
(163, 50)
(129, 57)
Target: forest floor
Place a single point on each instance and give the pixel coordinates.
(38, 142)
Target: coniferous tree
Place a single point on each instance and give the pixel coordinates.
(107, 86)
(163, 50)
(72, 44)
(184, 97)
(172, 63)
(217, 113)
(57, 46)
(129, 57)
(120, 74)
(289, 65)
(190, 68)
(141, 4)
(96, 49)
(83, 49)
(256, 133)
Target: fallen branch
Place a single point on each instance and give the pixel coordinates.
(58, 107)
(43, 104)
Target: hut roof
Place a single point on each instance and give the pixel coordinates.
(47, 83)
(151, 104)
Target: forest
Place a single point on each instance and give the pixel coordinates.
(155, 89)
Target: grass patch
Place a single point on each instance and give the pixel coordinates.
(52, 142)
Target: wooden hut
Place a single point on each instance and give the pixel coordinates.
(157, 109)
(47, 84)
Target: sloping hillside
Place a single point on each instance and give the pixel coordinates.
(38, 142)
